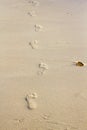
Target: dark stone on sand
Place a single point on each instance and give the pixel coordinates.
(79, 63)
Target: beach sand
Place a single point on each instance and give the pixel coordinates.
(40, 86)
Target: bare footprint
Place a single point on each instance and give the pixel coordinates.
(30, 99)
(19, 120)
(38, 27)
(32, 13)
(34, 2)
(43, 67)
(34, 44)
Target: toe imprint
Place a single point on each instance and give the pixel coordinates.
(33, 95)
(33, 3)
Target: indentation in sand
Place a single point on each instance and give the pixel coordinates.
(46, 116)
(30, 99)
(38, 27)
(33, 2)
(34, 44)
(43, 67)
(33, 95)
(19, 120)
(32, 13)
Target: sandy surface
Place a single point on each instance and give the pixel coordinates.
(40, 87)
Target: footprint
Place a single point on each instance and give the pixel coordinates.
(34, 3)
(19, 121)
(30, 99)
(43, 67)
(31, 13)
(38, 27)
(34, 44)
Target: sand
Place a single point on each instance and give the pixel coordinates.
(40, 87)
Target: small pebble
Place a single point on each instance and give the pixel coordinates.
(79, 63)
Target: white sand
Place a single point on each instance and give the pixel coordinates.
(62, 39)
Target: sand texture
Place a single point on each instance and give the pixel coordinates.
(43, 65)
